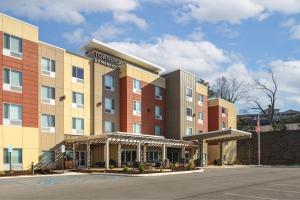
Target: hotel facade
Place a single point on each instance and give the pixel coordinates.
(106, 107)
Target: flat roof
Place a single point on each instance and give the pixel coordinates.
(106, 48)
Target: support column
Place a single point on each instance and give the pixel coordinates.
(138, 152)
(74, 155)
(201, 153)
(119, 155)
(221, 153)
(164, 149)
(145, 153)
(183, 153)
(88, 155)
(106, 154)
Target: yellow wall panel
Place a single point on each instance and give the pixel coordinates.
(1, 137)
(12, 135)
(30, 33)
(1, 28)
(201, 89)
(1, 159)
(48, 141)
(30, 138)
(11, 26)
(30, 155)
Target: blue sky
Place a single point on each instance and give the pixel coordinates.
(231, 38)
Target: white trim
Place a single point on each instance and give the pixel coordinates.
(1, 13)
(45, 43)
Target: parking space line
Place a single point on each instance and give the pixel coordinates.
(249, 196)
(276, 190)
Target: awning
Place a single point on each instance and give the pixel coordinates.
(219, 136)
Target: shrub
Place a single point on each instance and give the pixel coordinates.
(111, 167)
(125, 169)
(172, 166)
(190, 166)
(141, 168)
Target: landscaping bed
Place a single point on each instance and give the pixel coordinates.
(26, 173)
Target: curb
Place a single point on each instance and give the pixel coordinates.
(37, 176)
(147, 175)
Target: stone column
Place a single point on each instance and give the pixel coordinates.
(106, 154)
(201, 153)
(138, 152)
(145, 153)
(88, 155)
(164, 149)
(74, 155)
(119, 155)
(183, 154)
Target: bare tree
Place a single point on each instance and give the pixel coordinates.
(230, 89)
(270, 92)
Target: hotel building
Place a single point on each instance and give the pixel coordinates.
(106, 106)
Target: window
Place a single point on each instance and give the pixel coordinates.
(154, 155)
(48, 67)
(12, 46)
(223, 125)
(189, 114)
(200, 117)
(109, 106)
(189, 94)
(12, 114)
(47, 157)
(223, 112)
(137, 128)
(137, 86)
(158, 113)
(12, 80)
(77, 100)
(137, 108)
(48, 123)
(109, 127)
(77, 125)
(128, 155)
(109, 82)
(48, 95)
(77, 74)
(158, 93)
(16, 156)
(200, 99)
(189, 131)
(157, 130)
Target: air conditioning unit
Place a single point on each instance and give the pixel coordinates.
(137, 91)
(223, 115)
(158, 97)
(137, 113)
(190, 99)
(8, 52)
(158, 117)
(48, 101)
(200, 121)
(110, 111)
(48, 73)
(77, 132)
(9, 87)
(79, 106)
(200, 103)
(189, 118)
(13, 122)
(77, 80)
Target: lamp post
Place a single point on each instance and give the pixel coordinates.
(258, 138)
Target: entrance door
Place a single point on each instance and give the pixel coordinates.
(81, 158)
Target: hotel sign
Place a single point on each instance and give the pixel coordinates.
(107, 60)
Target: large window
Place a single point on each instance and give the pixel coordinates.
(157, 130)
(200, 99)
(77, 74)
(137, 108)
(128, 155)
(158, 113)
(189, 114)
(48, 95)
(109, 126)
(109, 82)
(189, 131)
(137, 128)
(48, 67)
(12, 46)
(137, 86)
(16, 156)
(47, 157)
(200, 117)
(109, 105)
(48, 123)
(189, 94)
(77, 125)
(154, 155)
(158, 93)
(12, 114)
(12, 80)
(77, 100)
(223, 126)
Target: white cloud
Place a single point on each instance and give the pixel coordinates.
(78, 36)
(132, 18)
(293, 28)
(106, 32)
(67, 11)
(228, 32)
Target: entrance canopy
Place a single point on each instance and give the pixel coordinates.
(219, 136)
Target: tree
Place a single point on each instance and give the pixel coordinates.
(270, 91)
(209, 90)
(230, 89)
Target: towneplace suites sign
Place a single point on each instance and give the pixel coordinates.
(106, 60)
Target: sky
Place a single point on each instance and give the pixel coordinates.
(210, 38)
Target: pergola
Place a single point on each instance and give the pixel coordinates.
(121, 138)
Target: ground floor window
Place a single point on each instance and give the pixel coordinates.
(47, 157)
(128, 155)
(16, 156)
(173, 156)
(154, 155)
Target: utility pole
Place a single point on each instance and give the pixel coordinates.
(258, 138)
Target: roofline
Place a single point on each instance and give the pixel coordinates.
(160, 69)
(45, 43)
(19, 20)
(190, 73)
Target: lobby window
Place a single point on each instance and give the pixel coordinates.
(77, 100)
(137, 128)
(223, 112)
(48, 67)
(157, 130)
(158, 93)
(77, 74)
(48, 95)
(154, 155)
(189, 114)
(12, 114)
(47, 157)
(12, 80)
(77, 126)
(48, 123)
(109, 82)
(16, 156)
(109, 105)
(200, 99)
(12, 46)
(189, 94)
(109, 127)
(137, 108)
(223, 125)
(189, 131)
(137, 86)
(158, 113)
(128, 155)
(200, 117)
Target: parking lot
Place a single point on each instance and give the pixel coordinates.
(229, 183)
